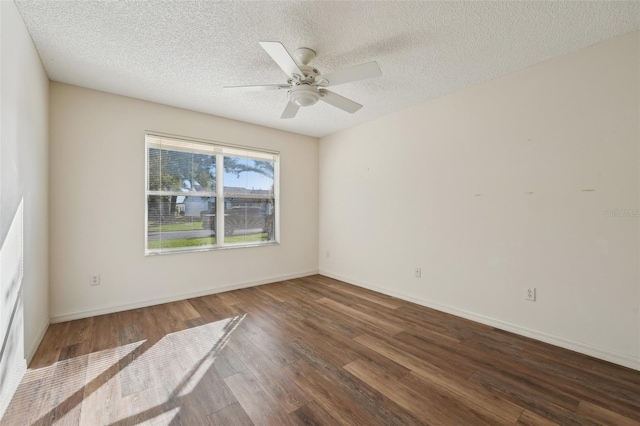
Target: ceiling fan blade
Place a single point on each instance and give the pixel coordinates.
(339, 101)
(348, 75)
(290, 110)
(258, 88)
(281, 57)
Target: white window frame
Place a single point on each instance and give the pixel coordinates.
(220, 150)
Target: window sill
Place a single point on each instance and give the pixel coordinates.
(157, 252)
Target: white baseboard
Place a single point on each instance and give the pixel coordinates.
(36, 343)
(593, 351)
(10, 388)
(151, 302)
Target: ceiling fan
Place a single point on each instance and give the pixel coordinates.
(306, 85)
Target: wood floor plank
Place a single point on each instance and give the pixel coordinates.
(218, 305)
(79, 331)
(233, 414)
(270, 323)
(330, 340)
(558, 381)
(229, 298)
(134, 375)
(330, 397)
(312, 414)
(455, 402)
(67, 389)
(447, 358)
(166, 319)
(190, 413)
(530, 397)
(145, 408)
(377, 298)
(532, 419)
(446, 382)
(579, 367)
(49, 349)
(102, 387)
(278, 291)
(227, 363)
(272, 306)
(255, 401)
(603, 415)
(442, 322)
(321, 338)
(205, 311)
(355, 313)
(398, 393)
(183, 310)
(556, 355)
(347, 324)
(273, 378)
(276, 350)
(533, 385)
(328, 292)
(210, 392)
(26, 403)
(75, 350)
(302, 288)
(310, 351)
(105, 332)
(342, 325)
(385, 411)
(411, 326)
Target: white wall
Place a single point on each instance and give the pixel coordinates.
(496, 188)
(97, 166)
(24, 305)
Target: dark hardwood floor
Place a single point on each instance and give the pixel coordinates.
(311, 351)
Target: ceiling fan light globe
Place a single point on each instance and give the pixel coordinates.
(304, 97)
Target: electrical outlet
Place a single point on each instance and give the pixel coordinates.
(530, 294)
(417, 272)
(95, 279)
(328, 254)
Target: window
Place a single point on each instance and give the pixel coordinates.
(192, 185)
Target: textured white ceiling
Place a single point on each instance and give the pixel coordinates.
(181, 53)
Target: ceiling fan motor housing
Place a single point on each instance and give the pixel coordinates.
(304, 95)
(309, 75)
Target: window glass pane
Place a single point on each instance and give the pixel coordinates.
(179, 221)
(248, 220)
(176, 170)
(204, 173)
(181, 171)
(154, 173)
(244, 176)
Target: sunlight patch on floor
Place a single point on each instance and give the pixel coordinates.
(142, 382)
